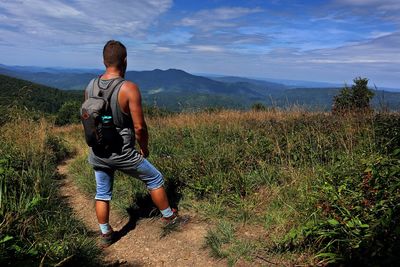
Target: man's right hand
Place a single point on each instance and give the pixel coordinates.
(145, 152)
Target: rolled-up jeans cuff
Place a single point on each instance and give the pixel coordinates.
(104, 184)
(102, 199)
(156, 187)
(149, 175)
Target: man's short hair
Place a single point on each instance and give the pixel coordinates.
(114, 54)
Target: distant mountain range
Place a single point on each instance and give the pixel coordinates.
(285, 82)
(64, 79)
(294, 83)
(178, 90)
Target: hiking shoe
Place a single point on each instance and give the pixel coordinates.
(108, 239)
(173, 223)
(170, 220)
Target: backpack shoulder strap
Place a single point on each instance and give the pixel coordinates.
(107, 92)
(90, 88)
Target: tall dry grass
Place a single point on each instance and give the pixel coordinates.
(252, 170)
(36, 225)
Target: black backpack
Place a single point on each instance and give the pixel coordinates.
(96, 115)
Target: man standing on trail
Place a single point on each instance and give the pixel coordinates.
(127, 116)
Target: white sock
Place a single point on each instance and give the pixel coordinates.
(167, 212)
(105, 228)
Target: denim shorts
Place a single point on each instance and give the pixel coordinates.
(145, 171)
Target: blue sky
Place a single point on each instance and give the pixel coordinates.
(331, 40)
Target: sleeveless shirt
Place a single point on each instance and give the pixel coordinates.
(123, 155)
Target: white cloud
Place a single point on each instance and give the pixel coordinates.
(217, 18)
(378, 34)
(386, 8)
(174, 37)
(166, 49)
(349, 61)
(381, 4)
(226, 13)
(206, 48)
(56, 22)
(51, 8)
(162, 49)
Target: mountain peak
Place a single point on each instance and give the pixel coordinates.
(170, 71)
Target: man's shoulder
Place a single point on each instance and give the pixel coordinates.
(129, 86)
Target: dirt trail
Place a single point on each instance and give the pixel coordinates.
(142, 245)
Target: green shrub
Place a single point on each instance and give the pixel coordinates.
(57, 147)
(258, 107)
(387, 132)
(358, 213)
(356, 98)
(154, 111)
(68, 113)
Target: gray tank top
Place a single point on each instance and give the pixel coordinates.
(123, 155)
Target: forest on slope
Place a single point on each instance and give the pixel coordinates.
(21, 93)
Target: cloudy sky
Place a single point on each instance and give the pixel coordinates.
(316, 40)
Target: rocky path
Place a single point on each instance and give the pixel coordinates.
(142, 245)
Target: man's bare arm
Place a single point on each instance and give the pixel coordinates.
(136, 111)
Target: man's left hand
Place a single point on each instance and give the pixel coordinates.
(145, 152)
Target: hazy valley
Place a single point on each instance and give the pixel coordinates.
(178, 90)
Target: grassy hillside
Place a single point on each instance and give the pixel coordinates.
(21, 93)
(283, 187)
(37, 227)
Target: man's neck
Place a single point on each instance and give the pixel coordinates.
(112, 72)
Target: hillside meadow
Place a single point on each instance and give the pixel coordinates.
(36, 225)
(287, 187)
(281, 187)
